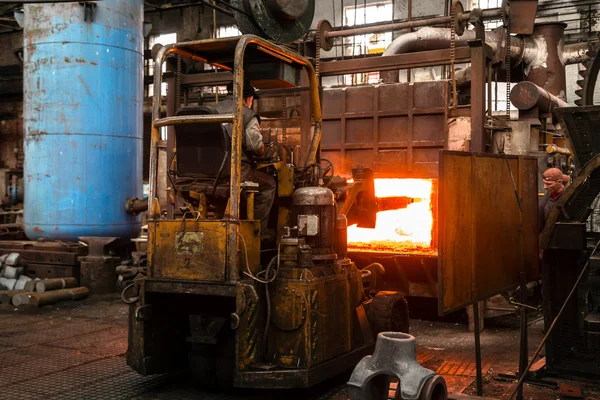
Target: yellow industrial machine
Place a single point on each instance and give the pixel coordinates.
(214, 300)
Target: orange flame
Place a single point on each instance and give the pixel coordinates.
(406, 230)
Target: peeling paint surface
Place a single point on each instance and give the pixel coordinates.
(83, 149)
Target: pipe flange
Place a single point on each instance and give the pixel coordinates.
(323, 28)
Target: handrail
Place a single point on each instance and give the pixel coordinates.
(194, 119)
(235, 118)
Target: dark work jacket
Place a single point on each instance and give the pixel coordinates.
(226, 107)
(545, 207)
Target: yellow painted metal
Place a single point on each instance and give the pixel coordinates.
(197, 250)
(250, 204)
(284, 218)
(201, 197)
(285, 180)
(307, 306)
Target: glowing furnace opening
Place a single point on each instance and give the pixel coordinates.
(404, 230)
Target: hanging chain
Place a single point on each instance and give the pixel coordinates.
(506, 15)
(453, 53)
(318, 54)
(284, 122)
(178, 84)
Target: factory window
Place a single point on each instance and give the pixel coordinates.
(485, 4)
(228, 31)
(499, 97)
(366, 44)
(222, 32)
(164, 39)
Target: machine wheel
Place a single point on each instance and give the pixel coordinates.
(388, 312)
(589, 76)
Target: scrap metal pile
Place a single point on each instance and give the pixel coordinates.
(17, 289)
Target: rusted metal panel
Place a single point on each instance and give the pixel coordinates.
(189, 250)
(455, 237)
(483, 237)
(302, 336)
(522, 16)
(395, 129)
(197, 250)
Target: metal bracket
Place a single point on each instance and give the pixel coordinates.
(88, 10)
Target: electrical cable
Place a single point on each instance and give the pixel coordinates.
(519, 201)
(170, 171)
(263, 277)
(327, 171)
(545, 338)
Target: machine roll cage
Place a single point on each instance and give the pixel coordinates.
(217, 52)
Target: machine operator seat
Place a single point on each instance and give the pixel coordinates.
(203, 156)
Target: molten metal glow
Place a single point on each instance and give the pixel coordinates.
(406, 230)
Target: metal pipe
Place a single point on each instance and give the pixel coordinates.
(53, 297)
(571, 54)
(194, 119)
(434, 39)
(135, 206)
(544, 60)
(491, 13)
(55, 284)
(425, 39)
(554, 149)
(526, 95)
(574, 53)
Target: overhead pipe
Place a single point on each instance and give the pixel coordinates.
(436, 39)
(544, 59)
(542, 53)
(491, 13)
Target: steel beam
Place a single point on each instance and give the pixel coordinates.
(400, 61)
(480, 54)
(206, 79)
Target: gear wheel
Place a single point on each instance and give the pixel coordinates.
(589, 75)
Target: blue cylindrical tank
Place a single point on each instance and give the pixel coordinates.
(83, 75)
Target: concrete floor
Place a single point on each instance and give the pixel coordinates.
(75, 350)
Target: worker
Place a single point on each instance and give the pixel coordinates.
(555, 183)
(252, 148)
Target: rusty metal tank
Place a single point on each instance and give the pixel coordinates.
(83, 74)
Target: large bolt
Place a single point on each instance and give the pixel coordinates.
(289, 9)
